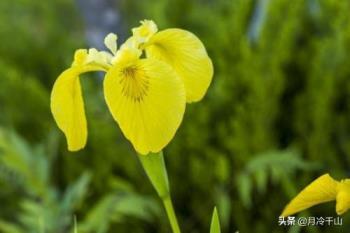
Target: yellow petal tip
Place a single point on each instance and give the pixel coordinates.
(321, 190)
(343, 197)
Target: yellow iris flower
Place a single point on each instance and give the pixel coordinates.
(147, 84)
(323, 189)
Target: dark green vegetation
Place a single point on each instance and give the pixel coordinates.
(276, 116)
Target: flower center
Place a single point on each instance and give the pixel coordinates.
(134, 83)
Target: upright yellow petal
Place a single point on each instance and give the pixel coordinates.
(187, 55)
(147, 29)
(323, 189)
(110, 42)
(67, 106)
(147, 99)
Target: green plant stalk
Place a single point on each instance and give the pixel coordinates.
(171, 214)
(155, 169)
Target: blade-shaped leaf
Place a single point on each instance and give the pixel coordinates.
(76, 192)
(215, 223)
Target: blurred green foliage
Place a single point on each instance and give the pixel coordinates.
(276, 116)
(46, 208)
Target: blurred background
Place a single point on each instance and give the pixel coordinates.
(276, 117)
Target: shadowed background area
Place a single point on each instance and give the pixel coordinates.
(276, 116)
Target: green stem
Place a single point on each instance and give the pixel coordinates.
(171, 214)
(155, 169)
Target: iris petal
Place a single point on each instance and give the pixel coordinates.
(147, 99)
(67, 106)
(323, 189)
(343, 197)
(187, 55)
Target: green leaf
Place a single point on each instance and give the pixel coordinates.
(224, 205)
(98, 219)
(215, 223)
(116, 207)
(9, 227)
(261, 178)
(75, 224)
(245, 187)
(76, 192)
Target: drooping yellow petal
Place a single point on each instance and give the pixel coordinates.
(323, 189)
(187, 55)
(147, 99)
(67, 106)
(343, 197)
